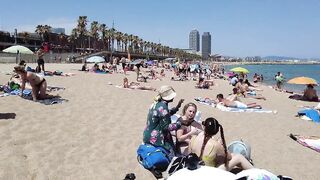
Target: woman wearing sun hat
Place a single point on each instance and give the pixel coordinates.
(158, 127)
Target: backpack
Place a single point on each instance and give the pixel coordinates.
(239, 147)
(153, 158)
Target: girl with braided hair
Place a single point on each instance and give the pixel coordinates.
(213, 151)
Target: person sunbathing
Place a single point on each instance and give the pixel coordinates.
(235, 96)
(202, 84)
(212, 149)
(38, 84)
(189, 128)
(236, 104)
(249, 87)
(136, 85)
(310, 94)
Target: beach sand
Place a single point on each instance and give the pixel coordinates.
(96, 133)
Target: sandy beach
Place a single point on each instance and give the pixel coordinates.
(96, 133)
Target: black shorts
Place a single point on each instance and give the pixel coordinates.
(43, 80)
(123, 65)
(40, 62)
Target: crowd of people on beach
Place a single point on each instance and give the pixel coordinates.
(186, 137)
(202, 139)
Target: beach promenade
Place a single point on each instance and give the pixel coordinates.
(96, 133)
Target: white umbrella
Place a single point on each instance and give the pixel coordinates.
(18, 48)
(95, 59)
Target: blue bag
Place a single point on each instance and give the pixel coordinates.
(151, 157)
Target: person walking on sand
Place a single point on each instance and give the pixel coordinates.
(40, 53)
(38, 84)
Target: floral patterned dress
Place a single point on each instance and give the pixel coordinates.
(157, 131)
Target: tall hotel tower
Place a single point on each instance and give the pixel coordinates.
(206, 45)
(194, 40)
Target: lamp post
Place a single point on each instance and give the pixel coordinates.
(15, 36)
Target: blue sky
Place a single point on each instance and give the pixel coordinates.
(238, 27)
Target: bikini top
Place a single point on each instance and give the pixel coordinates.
(209, 158)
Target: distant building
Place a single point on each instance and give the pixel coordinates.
(58, 30)
(191, 51)
(194, 40)
(206, 45)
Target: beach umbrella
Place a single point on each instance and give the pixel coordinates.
(18, 48)
(95, 59)
(240, 70)
(303, 80)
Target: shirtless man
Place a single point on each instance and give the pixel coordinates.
(40, 53)
(38, 84)
(236, 104)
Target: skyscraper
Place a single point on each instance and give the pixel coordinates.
(194, 40)
(206, 45)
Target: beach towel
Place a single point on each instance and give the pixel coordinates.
(26, 92)
(68, 74)
(310, 113)
(230, 109)
(205, 101)
(312, 142)
(299, 97)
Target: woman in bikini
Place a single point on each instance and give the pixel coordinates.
(212, 149)
(38, 84)
(189, 127)
(136, 85)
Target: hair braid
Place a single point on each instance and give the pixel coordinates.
(205, 140)
(224, 146)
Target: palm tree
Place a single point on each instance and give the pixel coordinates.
(112, 33)
(125, 40)
(39, 30)
(130, 39)
(72, 39)
(25, 36)
(94, 33)
(62, 38)
(43, 31)
(118, 37)
(103, 29)
(46, 33)
(81, 29)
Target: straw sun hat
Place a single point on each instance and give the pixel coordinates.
(167, 93)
